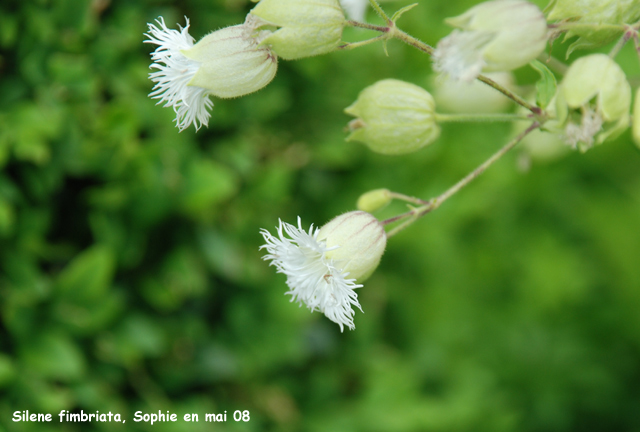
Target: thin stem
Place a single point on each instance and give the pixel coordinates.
(410, 40)
(636, 42)
(628, 34)
(508, 93)
(586, 26)
(367, 26)
(379, 11)
(353, 45)
(444, 118)
(416, 213)
(486, 164)
(407, 198)
(554, 63)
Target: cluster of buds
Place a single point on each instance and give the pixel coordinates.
(324, 266)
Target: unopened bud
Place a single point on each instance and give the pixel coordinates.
(374, 200)
(393, 117)
(598, 17)
(304, 27)
(498, 35)
(361, 241)
(231, 63)
(594, 77)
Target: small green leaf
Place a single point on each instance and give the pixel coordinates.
(546, 85)
(88, 277)
(401, 12)
(207, 183)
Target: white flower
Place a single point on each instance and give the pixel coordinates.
(460, 55)
(497, 35)
(582, 136)
(313, 278)
(175, 71)
(226, 63)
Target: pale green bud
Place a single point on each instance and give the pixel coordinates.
(374, 200)
(231, 62)
(597, 12)
(360, 239)
(304, 27)
(597, 87)
(498, 35)
(597, 75)
(393, 117)
(635, 121)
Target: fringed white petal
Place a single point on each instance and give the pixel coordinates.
(174, 72)
(313, 279)
(460, 55)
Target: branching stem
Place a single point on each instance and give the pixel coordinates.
(416, 213)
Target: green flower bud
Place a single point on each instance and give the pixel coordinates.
(393, 117)
(361, 241)
(635, 121)
(231, 63)
(304, 27)
(597, 87)
(498, 35)
(596, 12)
(374, 200)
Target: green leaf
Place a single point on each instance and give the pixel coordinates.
(400, 12)
(88, 276)
(546, 86)
(54, 355)
(207, 183)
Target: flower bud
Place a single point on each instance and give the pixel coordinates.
(393, 117)
(231, 63)
(635, 121)
(595, 13)
(361, 240)
(305, 27)
(374, 200)
(498, 35)
(598, 77)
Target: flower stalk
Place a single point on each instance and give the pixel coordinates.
(417, 212)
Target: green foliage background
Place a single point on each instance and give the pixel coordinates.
(130, 275)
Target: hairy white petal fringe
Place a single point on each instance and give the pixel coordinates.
(313, 279)
(174, 72)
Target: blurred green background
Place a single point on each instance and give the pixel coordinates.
(130, 275)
